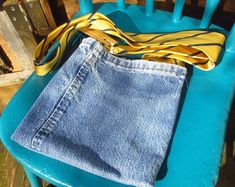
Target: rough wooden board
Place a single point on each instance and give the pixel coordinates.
(22, 54)
(71, 7)
(229, 6)
(6, 93)
(11, 173)
(12, 38)
(38, 18)
(21, 22)
(10, 55)
(13, 78)
(47, 11)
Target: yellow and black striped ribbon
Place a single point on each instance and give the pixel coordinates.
(199, 48)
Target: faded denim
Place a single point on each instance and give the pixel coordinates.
(107, 115)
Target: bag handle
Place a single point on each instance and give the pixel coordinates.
(199, 48)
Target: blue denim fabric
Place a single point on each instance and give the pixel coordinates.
(107, 115)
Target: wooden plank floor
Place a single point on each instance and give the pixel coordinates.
(12, 174)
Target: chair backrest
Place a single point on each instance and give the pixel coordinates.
(86, 6)
(176, 21)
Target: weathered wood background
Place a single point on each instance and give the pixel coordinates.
(22, 54)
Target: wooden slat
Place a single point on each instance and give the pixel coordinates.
(47, 11)
(6, 93)
(229, 6)
(71, 7)
(10, 55)
(8, 32)
(11, 173)
(23, 55)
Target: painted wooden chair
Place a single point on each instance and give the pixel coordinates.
(195, 153)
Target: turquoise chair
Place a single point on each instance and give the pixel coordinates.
(195, 153)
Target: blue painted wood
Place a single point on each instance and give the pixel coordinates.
(230, 43)
(121, 4)
(211, 6)
(149, 7)
(34, 180)
(178, 9)
(195, 153)
(86, 6)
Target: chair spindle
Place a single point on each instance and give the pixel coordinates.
(230, 43)
(210, 8)
(149, 7)
(86, 6)
(121, 4)
(178, 9)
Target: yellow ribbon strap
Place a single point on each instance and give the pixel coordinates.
(199, 48)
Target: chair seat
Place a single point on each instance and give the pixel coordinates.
(196, 150)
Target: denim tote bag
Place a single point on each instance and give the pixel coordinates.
(109, 116)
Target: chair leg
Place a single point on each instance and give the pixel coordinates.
(34, 180)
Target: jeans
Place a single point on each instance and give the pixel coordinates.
(109, 116)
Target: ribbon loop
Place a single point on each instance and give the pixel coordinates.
(199, 48)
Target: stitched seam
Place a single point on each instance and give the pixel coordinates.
(158, 72)
(138, 67)
(145, 67)
(62, 105)
(141, 65)
(48, 126)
